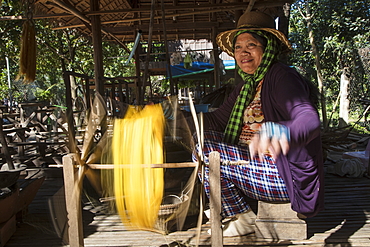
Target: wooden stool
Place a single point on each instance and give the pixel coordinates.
(277, 221)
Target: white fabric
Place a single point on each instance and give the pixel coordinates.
(244, 224)
(348, 168)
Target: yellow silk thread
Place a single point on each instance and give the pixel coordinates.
(138, 142)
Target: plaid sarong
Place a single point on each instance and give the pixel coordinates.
(258, 179)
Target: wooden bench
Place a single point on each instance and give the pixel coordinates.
(277, 221)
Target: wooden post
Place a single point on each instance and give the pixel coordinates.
(216, 68)
(98, 50)
(72, 196)
(120, 92)
(146, 68)
(172, 89)
(128, 94)
(215, 199)
(71, 128)
(98, 55)
(87, 92)
(4, 146)
(138, 74)
(113, 89)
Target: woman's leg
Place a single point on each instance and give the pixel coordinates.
(258, 179)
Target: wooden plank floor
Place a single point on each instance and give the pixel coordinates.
(345, 222)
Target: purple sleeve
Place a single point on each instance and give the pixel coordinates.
(289, 104)
(285, 100)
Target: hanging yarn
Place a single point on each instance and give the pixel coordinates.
(27, 61)
(137, 143)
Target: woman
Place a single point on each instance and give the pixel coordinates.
(271, 122)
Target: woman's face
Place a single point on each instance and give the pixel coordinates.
(248, 52)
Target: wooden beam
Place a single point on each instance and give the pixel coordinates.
(180, 32)
(172, 26)
(250, 6)
(267, 4)
(260, 4)
(148, 18)
(225, 7)
(173, 33)
(165, 165)
(72, 10)
(86, 21)
(36, 17)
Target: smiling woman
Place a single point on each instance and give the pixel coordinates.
(248, 52)
(273, 132)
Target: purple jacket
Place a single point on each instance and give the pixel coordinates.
(285, 100)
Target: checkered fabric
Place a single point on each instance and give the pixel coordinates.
(233, 128)
(258, 179)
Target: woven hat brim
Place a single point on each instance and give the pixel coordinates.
(225, 39)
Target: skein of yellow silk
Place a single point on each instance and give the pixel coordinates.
(138, 142)
(27, 60)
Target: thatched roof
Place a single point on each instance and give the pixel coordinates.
(121, 19)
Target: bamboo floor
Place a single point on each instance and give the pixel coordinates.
(345, 222)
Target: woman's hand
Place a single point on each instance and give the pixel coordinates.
(273, 139)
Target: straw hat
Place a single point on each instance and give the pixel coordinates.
(253, 20)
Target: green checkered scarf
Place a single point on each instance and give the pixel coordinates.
(234, 126)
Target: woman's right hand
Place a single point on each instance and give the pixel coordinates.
(273, 138)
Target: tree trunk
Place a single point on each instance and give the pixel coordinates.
(344, 101)
(283, 25)
(318, 66)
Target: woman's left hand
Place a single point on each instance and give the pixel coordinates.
(273, 139)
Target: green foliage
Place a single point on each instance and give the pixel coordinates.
(340, 28)
(57, 51)
(45, 95)
(160, 86)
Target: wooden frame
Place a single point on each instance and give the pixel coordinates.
(73, 196)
